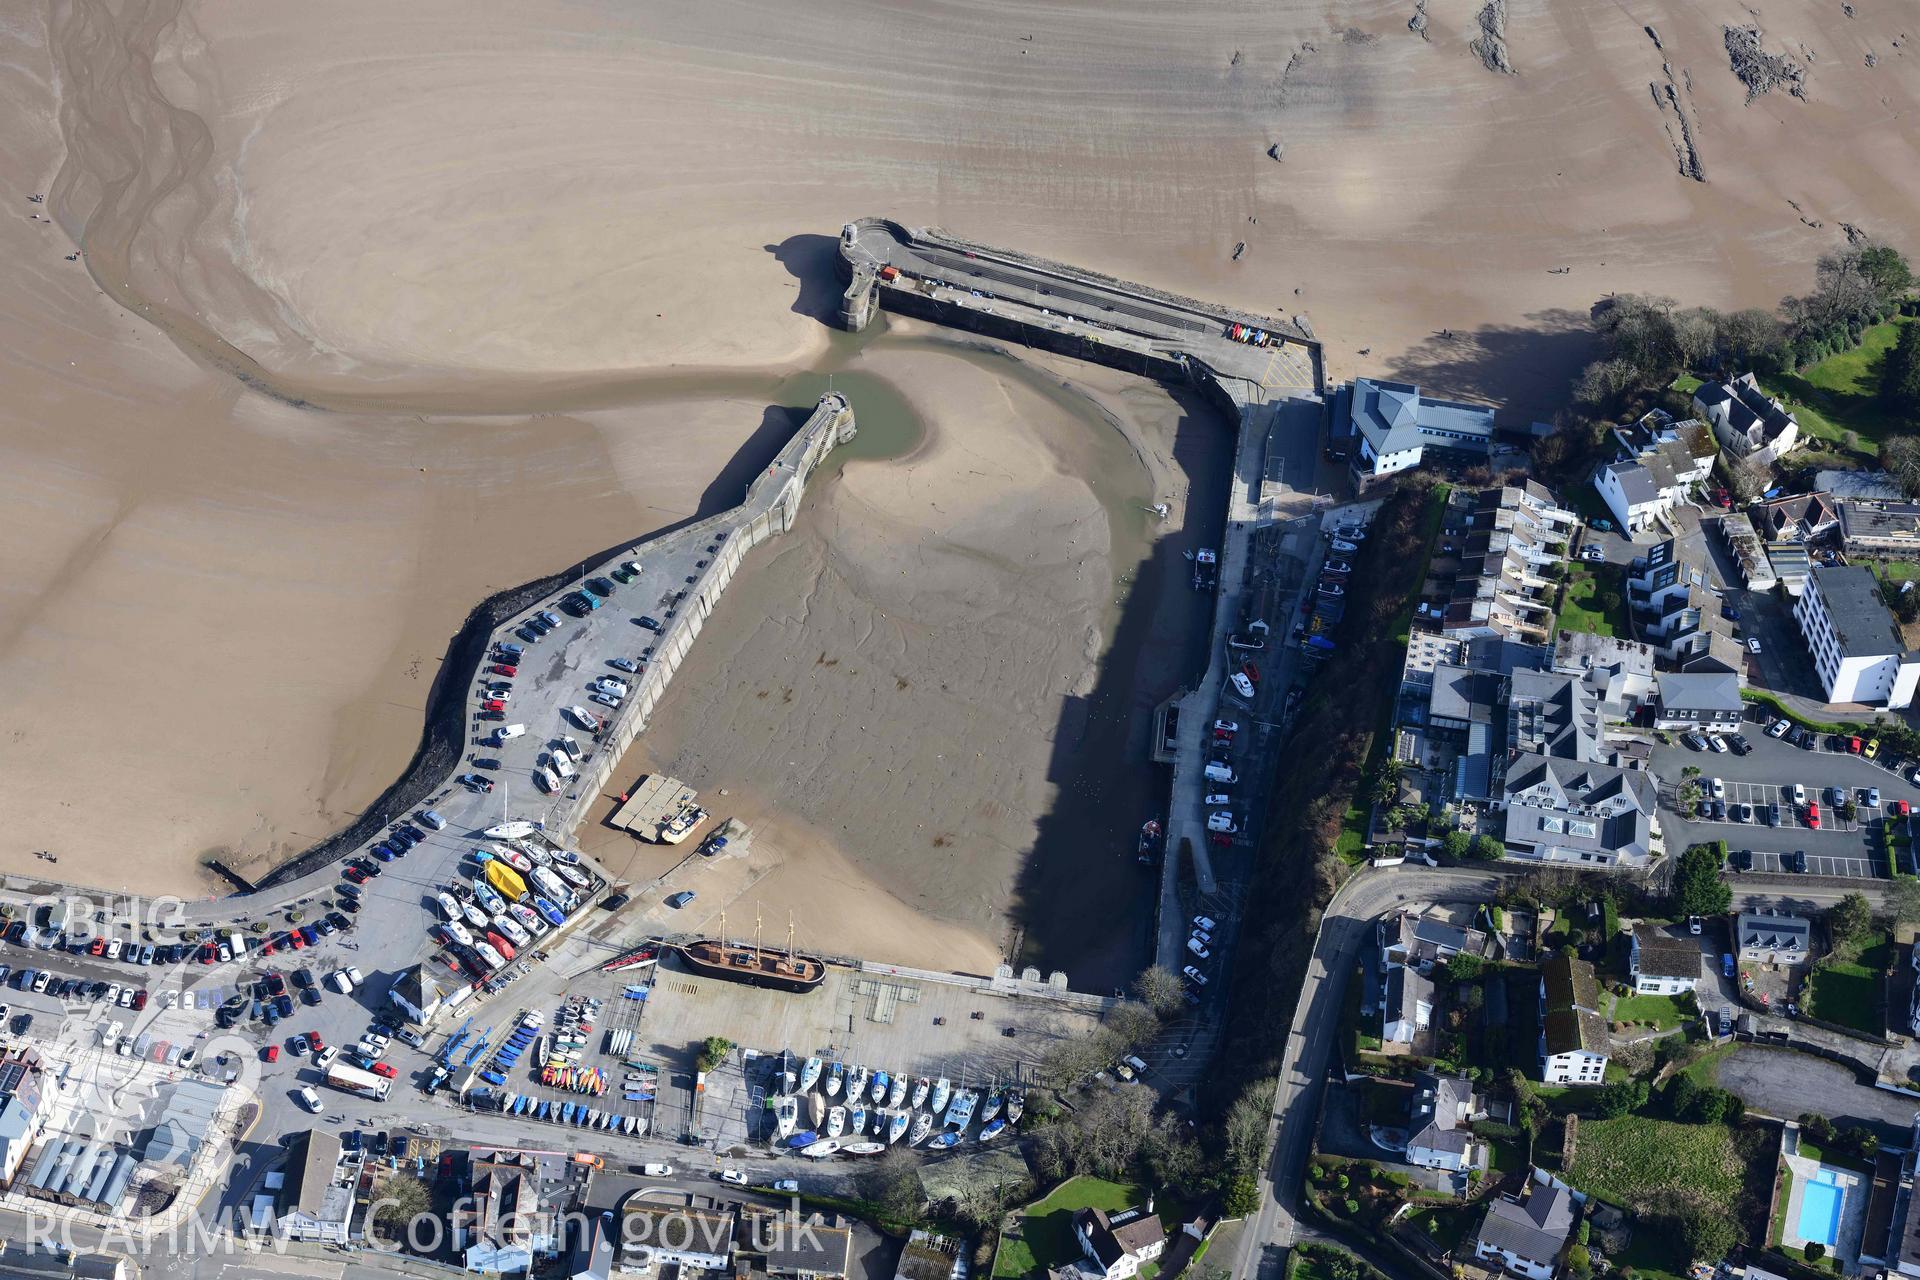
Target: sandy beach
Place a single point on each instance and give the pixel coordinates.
(379, 309)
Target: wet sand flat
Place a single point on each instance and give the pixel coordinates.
(383, 308)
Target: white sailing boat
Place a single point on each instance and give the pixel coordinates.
(509, 830)
(897, 1124)
(992, 1106)
(857, 1120)
(880, 1083)
(1016, 1106)
(836, 1073)
(785, 1116)
(857, 1083)
(942, 1090)
(809, 1074)
(836, 1122)
(922, 1126)
(921, 1088)
(897, 1095)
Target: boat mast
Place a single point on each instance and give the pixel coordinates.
(790, 939)
(756, 933)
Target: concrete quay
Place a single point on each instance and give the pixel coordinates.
(683, 574)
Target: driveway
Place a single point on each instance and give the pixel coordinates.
(1785, 1084)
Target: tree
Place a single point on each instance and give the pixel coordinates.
(714, 1052)
(1698, 888)
(1158, 988)
(1849, 919)
(1488, 848)
(1886, 270)
(1464, 966)
(1902, 900)
(1708, 1233)
(1579, 1260)
(1815, 1251)
(1900, 375)
(1241, 1198)
(1132, 1024)
(1245, 1129)
(1620, 1098)
(401, 1200)
(1456, 844)
(893, 1183)
(1752, 340)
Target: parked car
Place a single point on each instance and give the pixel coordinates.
(1194, 976)
(1697, 741)
(1779, 728)
(681, 899)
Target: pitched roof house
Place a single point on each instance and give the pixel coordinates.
(1579, 811)
(1746, 420)
(1662, 964)
(1574, 1047)
(1437, 1132)
(500, 1227)
(315, 1200)
(1118, 1245)
(1528, 1236)
(1409, 1005)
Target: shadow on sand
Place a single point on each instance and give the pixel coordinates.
(814, 261)
(1524, 369)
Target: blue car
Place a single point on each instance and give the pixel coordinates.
(381, 852)
(307, 932)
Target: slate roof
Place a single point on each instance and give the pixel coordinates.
(1394, 417)
(1662, 955)
(1407, 990)
(1437, 1104)
(1553, 713)
(1636, 483)
(1862, 625)
(1699, 691)
(309, 1188)
(1573, 1021)
(1758, 932)
(1113, 1236)
(1535, 1230)
(1579, 806)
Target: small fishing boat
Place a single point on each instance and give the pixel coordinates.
(516, 859)
(549, 911)
(822, 1149)
(992, 1130)
(809, 1074)
(897, 1125)
(991, 1108)
(945, 1141)
(942, 1091)
(836, 1122)
(864, 1148)
(922, 1126)
(921, 1088)
(1016, 1105)
(836, 1074)
(856, 1120)
(897, 1094)
(881, 1080)
(960, 1111)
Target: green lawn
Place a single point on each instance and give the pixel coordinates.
(1686, 384)
(1847, 989)
(1580, 609)
(1045, 1236)
(1654, 1165)
(1661, 1011)
(1444, 1227)
(1839, 394)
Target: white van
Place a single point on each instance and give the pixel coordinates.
(433, 820)
(339, 982)
(563, 766)
(1217, 772)
(507, 733)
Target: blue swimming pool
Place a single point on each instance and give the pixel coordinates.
(1820, 1202)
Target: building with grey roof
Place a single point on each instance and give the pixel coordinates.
(1528, 1236)
(1442, 1108)
(1120, 1244)
(1706, 700)
(1579, 811)
(1512, 535)
(1392, 427)
(1657, 465)
(1408, 1009)
(316, 1197)
(1670, 594)
(1421, 940)
(1618, 671)
(22, 1109)
(1885, 530)
(1554, 714)
(1766, 937)
(1856, 645)
(1798, 517)
(1746, 420)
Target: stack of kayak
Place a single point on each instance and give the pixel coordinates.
(574, 1079)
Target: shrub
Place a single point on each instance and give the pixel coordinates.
(1815, 1251)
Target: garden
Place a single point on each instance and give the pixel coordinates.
(1042, 1236)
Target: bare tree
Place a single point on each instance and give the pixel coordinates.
(1901, 458)
(1132, 1024)
(1158, 987)
(893, 1183)
(1246, 1126)
(1696, 334)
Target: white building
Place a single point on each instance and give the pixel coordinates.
(1438, 1133)
(1659, 464)
(1390, 426)
(1527, 1237)
(1855, 644)
(1574, 1047)
(1746, 420)
(1662, 964)
(315, 1200)
(1118, 1245)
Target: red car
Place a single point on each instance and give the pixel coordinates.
(271, 1053)
(1813, 816)
(502, 669)
(139, 1000)
(313, 1038)
(1900, 808)
(1853, 745)
(208, 955)
(493, 704)
(297, 941)
(1222, 839)
(355, 874)
(267, 947)
(384, 1069)
(97, 947)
